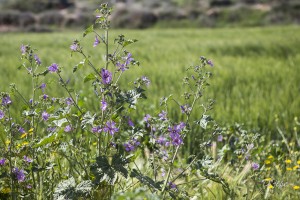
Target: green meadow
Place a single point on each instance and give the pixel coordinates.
(256, 70)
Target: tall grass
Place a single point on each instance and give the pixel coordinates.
(256, 69)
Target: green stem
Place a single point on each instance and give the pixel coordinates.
(12, 186)
(106, 44)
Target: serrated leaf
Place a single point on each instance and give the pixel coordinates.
(90, 29)
(118, 163)
(203, 122)
(65, 190)
(89, 77)
(103, 171)
(84, 188)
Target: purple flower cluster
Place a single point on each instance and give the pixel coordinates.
(163, 115)
(106, 76)
(20, 175)
(42, 87)
(69, 101)
(2, 161)
(175, 134)
(45, 116)
(75, 46)
(27, 159)
(23, 49)
(103, 105)
(127, 60)
(1, 114)
(255, 166)
(162, 141)
(130, 123)
(37, 59)
(96, 129)
(186, 109)
(53, 67)
(110, 127)
(6, 100)
(131, 145)
(68, 128)
(146, 119)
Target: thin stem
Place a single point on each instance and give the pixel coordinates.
(64, 85)
(169, 172)
(106, 44)
(12, 186)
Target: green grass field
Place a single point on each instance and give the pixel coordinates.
(256, 72)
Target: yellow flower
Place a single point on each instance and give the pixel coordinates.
(267, 162)
(25, 143)
(240, 156)
(95, 143)
(24, 135)
(7, 142)
(289, 169)
(298, 162)
(288, 161)
(268, 179)
(296, 187)
(270, 157)
(270, 186)
(5, 190)
(268, 168)
(295, 167)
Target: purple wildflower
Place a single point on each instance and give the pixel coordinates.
(45, 116)
(175, 136)
(6, 100)
(162, 115)
(121, 67)
(163, 172)
(96, 42)
(53, 67)
(110, 127)
(255, 166)
(2, 161)
(74, 46)
(1, 114)
(161, 140)
(129, 147)
(210, 63)
(19, 174)
(21, 130)
(27, 159)
(68, 128)
(145, 80)
(69, 101)
(172, 186)
(220, 138)
(106, 76)
(128, 59)
(130, 123)
(30, 101)
(23, 49)
(147, 117)
(186, 109)
(37, 59)
(45, 96)
(29, 186)
(43, 86)
(103, 105)
(96, 129)
(250, 146)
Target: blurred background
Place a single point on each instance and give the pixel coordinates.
(49, 15)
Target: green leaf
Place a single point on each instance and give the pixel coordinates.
(103, 171)
(146, 180)
(88, 30)
(65, 190)
(203, 122)
(60, 122)
(46, 140)
(118, 163)
(87, 119)
(89, 77)
(79, 66)
(128, 42)
(84, 188)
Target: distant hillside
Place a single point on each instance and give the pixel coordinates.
(40, 15)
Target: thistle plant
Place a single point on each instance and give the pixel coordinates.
(61, 149)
